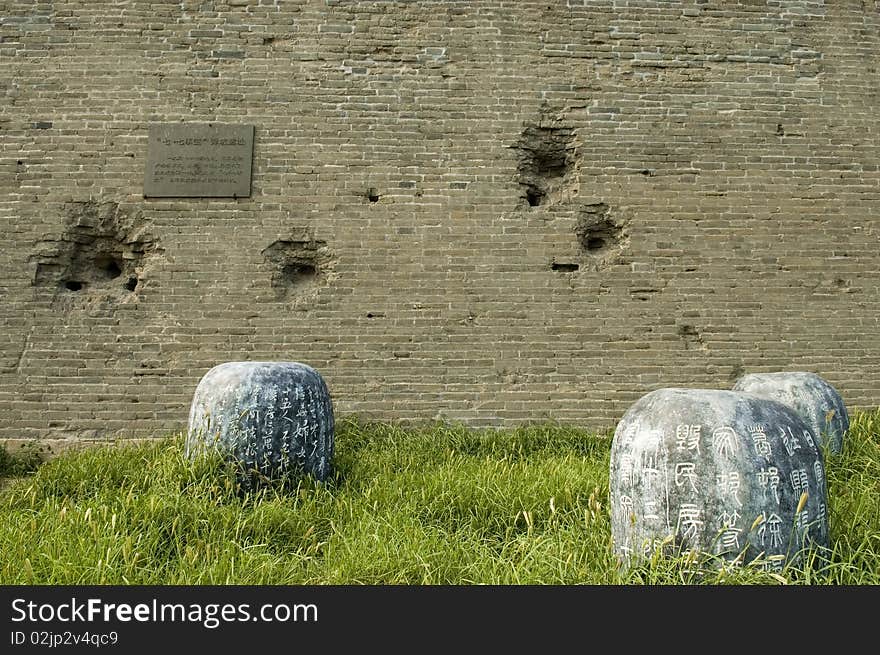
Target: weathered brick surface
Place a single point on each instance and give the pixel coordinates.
(573, 203)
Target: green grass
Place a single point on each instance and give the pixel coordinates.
(26, 461)
(436, 504)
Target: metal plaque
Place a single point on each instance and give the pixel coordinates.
(206, 160)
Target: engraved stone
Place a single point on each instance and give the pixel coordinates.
(274, 419)
(809, 395)
(717, 473)
(209, 160)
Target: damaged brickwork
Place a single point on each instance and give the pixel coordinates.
(465, 211)
(98, 259)
(547, 164)
(299, 266)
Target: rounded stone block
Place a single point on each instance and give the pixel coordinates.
(274, 419)
(716, 472)
(817, 402)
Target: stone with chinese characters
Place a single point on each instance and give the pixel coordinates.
(273, 419)
(811, 396)
(735, 478)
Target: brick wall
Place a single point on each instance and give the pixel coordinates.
(508, 211)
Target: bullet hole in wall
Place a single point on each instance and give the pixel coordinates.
(298, 274)
(534, 197)
(597, 231)
(110, 267)
(546, 165)
(298, 265)
(99, 256)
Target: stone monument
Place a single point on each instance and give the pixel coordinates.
(716, 472)
(273, 419)
(817, 402)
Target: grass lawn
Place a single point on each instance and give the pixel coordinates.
(439, 504)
